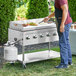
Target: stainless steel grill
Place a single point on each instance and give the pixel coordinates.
(29, 35)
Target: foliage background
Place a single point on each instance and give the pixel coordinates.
(7, 8)
(72, 8)
(37, 9)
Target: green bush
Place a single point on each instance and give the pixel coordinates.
(52, 9)
(37, 9)
(72, 8)
(20, 12)
(7, 8)
(20, 2)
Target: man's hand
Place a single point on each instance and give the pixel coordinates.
(46, 19)
(62, 28)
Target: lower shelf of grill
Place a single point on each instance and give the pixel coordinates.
(38, 56)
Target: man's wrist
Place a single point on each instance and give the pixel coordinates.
(48, 17)
(62, 23)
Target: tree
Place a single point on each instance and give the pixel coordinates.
(72, 8)
(37, 9)
(7, 8)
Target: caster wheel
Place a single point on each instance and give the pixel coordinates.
(12, 64)
(24, 66)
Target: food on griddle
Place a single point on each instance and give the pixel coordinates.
(32, 24)
(24, 25)
(29, 24)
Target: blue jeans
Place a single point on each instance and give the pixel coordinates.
(65, 50)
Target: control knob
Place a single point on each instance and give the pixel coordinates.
(27, 37)
(34, 36)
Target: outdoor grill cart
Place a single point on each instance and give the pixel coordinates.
(25, 34)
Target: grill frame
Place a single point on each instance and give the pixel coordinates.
(20, 33)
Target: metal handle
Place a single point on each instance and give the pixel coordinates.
(54, 34)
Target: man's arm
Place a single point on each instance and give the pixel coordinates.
(51, 15)
(64, 16)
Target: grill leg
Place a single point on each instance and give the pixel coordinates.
(49, 49)
(24, 65)
(23, 57)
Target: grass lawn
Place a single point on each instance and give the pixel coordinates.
(42, 68)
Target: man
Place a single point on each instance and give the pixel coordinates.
(64, 22)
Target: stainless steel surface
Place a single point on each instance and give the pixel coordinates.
(38, 56)
(34, 37)
(72, 38)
